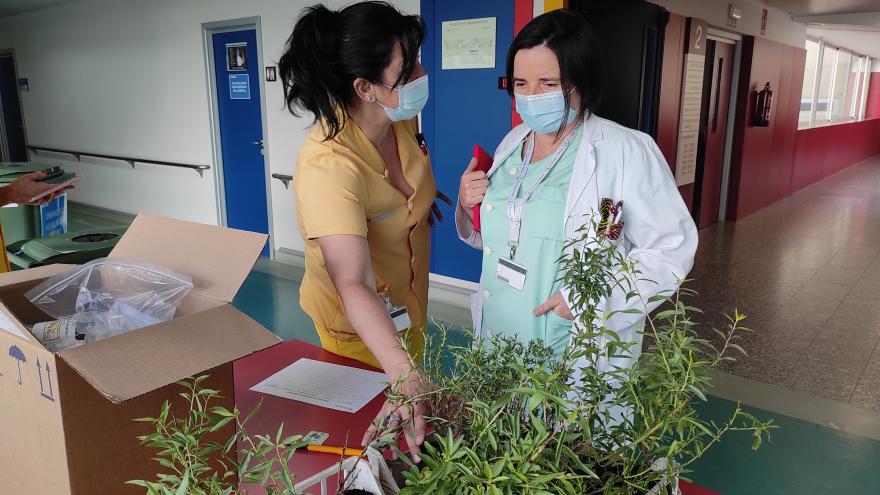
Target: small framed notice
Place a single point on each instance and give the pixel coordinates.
(236, 56)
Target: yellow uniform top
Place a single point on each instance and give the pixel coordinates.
(341, 187)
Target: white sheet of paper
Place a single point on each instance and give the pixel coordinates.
(324, 384)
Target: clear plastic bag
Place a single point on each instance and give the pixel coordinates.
(111, 296)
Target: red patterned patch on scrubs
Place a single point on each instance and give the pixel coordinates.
(610, 224)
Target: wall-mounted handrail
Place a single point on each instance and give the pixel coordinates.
(131, 161)
(286, 179)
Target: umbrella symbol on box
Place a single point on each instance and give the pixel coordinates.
(18, 355)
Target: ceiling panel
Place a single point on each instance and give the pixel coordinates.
(13, 7)
(820, 7)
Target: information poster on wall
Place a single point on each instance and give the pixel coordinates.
(239, 87)
(691, 103)
(469, 44)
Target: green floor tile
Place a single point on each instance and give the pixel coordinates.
(274, 302)
(802, 458)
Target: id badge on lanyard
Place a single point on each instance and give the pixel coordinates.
(509, 271)
(398, 315)
(512, 273)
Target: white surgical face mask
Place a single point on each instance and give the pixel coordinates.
(412, 97)
(543, 112)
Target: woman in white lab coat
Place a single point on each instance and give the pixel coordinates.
(548, 176)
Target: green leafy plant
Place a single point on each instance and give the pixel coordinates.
(196, 465)
(512, 418)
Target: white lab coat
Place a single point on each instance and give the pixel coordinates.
(615, 162)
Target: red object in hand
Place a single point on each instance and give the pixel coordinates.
(484, 164)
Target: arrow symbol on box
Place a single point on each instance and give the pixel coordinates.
(51, 395)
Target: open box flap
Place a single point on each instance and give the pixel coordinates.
(9, 322)
(135, 363)
(218, 259)
(41, 272)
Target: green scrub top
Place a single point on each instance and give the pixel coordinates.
(542, 239)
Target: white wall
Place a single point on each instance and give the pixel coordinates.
(780, 26)
(128, 77)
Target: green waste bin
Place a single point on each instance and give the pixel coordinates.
(76, 248)
(20, 222)
(9, 171)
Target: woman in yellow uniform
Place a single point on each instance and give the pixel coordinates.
(364, 187)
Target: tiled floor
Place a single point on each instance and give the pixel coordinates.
(807, 273)
(801, 458)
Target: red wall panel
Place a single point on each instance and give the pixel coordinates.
(670, 96)
(824, 151)
(763, 158)
(670, 88)
(523, 12)
(873, 109)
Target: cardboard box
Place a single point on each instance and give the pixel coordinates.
(66, 419)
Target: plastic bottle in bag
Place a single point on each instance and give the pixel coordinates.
(58, 335)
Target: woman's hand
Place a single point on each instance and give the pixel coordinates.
(29, 186)
(557, 304)
(473, 186)
(435, 216)
(408, 418)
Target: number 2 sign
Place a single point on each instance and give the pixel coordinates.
(697, 36)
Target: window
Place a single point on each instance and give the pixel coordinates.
(826, 72)
(863, 94)
(854, 81)
(839, 88)
(835, 85)
(809, 81)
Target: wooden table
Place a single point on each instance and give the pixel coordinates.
(299, 418)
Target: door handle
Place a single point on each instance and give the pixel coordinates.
(258, 142)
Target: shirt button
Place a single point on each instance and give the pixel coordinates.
(487, 250)
(489, 207)
(486, 294)
(513, 170)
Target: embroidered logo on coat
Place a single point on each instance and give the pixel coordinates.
(610, 223)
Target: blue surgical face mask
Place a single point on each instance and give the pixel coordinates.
(543, 112)
(412, 97)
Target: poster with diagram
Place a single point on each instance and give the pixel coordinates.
(469, 44)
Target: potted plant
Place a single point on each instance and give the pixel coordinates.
(512, 418)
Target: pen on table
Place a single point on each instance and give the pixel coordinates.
(334, 450)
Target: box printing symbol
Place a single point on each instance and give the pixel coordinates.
(51, 395)
(18, 355)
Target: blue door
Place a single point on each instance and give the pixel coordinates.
(237, 72)
(466, 108)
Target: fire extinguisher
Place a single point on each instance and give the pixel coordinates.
(762, 107)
